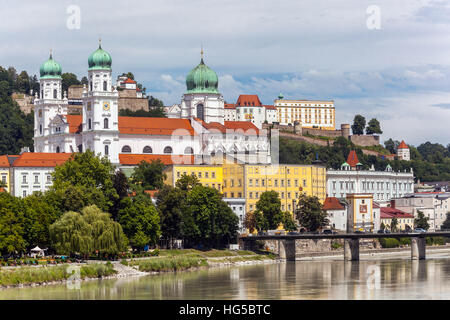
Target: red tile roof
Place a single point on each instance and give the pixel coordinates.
(230, 106)
(4, 161)
(246, 127)
(167, 159)
(75, 123)
(31, 159)
(352, 159)
(389, 213)
(129, 81)
(155, 126)
(248, 100)
(332, 203)
(270, 107)
(402, 145)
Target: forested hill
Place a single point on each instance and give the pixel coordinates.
(430, 161)
(16, 128)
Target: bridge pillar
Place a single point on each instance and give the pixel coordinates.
(351, 249)
(418, 248)
(286, 249)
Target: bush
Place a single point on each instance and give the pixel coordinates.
(170, 264)
(336, 245)
(405, 241)
(435, 241)
(389, 243)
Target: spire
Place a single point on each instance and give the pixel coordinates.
(201, 54)
(51, 54)
(99, 42)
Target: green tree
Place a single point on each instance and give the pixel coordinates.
(208, 220)
(373, 127)
(359, 123)
(394, 224)
(154, 102)
(421, 221)
(171, 203)
(23, 83)
(120, 184)
(391, 145)
(149, 175)
(250, 221)
(87, 232)
(140, 221)
(288, 222)
(69, 79)
(87, 175)
(310, 213)
(84, 80)
(268, 212)
(382, 226)
(446, 224)
(187, 182)
(12, 222)
(153, 112)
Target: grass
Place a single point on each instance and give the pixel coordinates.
(169, 264)
(27, 275)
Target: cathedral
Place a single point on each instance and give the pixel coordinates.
(201, 134)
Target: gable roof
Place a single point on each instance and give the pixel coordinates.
(247, 127)
(248, 100)
(402, 145)
(31, 159)
(352, 159)
(389, 213)
(167, 159)
(75, 123)
(270, 107)
(4, 163)
(332, 203)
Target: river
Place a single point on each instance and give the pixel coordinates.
(370, 278)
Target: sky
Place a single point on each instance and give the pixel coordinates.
(397, 70)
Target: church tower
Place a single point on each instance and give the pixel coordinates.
(202, 99)
(100, 108)
(48, 104)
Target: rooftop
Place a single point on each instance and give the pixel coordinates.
(332, 203)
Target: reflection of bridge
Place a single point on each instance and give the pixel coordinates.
(286, 243)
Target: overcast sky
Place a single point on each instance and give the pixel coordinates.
(313, 49)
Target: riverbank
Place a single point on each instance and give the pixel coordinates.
(168, 261)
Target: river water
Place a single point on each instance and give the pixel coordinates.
(370, 278)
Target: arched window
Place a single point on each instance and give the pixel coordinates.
(57, 150)
(90, 86)
(200, 112)
(188, 150)
(105, 85)
(90, 124)
(147, 149)
(55, 93)
(42, 94)
(40, 128)
(106, 150)
(126, 149)
(168, 150)
(105, 123)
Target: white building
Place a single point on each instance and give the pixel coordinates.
(337, 213)
(403, 152)
(200, 129)
(384, 185)
(237, 205)
(434, 205)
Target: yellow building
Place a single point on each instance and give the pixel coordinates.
(360, 211)
(310, 113)
(4, 172)
(233, 180)
(208, 175)
(288, 180)
(403, 218)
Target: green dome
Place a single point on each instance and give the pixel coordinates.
(50, 69)
(202, 79)
(99, 60)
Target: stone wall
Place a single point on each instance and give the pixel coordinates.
(133, 104)
(365, 140)
(75, 92)
(322, 133)
(24, 101)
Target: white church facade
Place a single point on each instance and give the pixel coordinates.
(200, 131)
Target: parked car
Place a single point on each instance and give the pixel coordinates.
(328, 231)
(419, 230)
(383, 231)
(292, 233)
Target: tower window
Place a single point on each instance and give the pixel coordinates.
(200, 111)
(105, 85)
(57, 150)
(105, 123)
(90, 124)
(147, 149)
(126, 149)
(40, 128)
(168, 150)
(55, 93)
(106, 150)
(90, 86)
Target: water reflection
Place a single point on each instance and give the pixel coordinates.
(370, 279)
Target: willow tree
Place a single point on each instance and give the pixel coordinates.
(87, 232)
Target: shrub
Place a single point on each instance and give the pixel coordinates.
(336, 245)
(405, 241)
(389, 242)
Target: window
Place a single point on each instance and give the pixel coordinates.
(49, 178)
(200, 111)
(106, 150)
(105, 123)
(24, 193)
(188, 150)
(36, 179)
(213, 175)
(105, 86)
(147, 149)
(90, 124)
(40, 128)
(206, 174)
(24, 179)
(168, 150)
(126, 149)
(57, 149)
(55, 93)
(90, 86)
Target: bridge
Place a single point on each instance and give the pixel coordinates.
(286, 243)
